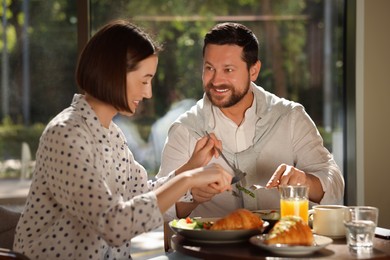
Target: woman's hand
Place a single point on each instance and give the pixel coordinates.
(203, 194)
(208, 182)
(212, 176)
(203, 152)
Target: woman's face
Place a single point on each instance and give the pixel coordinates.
(139, 82)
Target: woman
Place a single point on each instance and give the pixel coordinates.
(89, 196)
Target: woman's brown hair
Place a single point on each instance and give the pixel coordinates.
(114, 50)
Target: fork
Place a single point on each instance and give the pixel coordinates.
(257, 187)
(238, 174)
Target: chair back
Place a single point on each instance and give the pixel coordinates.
(6, 254)
(8, 221)
(168, 233)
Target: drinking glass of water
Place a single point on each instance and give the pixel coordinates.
(360, 223)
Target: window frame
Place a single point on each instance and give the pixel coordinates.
(349, 130)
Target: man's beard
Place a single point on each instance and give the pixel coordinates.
(234, 98)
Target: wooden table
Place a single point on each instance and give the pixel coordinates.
(245, 250)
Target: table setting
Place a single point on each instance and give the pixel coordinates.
(293, 231)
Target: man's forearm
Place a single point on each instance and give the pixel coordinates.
(316, 192)
(183, 209)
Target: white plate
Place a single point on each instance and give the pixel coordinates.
(320, 242)
(335, 237)
(332, 237)
(217, 236)
(265, 214)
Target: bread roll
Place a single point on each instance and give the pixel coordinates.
(238, 219)
(290, 230)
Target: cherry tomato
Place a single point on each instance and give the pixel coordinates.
(207, 225)
(188, 220)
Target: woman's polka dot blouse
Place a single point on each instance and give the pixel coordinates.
(88, 196)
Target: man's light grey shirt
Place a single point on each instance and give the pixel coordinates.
(274, 131)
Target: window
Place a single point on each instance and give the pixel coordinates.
(38, 45)
(301, 49)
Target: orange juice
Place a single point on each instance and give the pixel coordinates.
(296, 207)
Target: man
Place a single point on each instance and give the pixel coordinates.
(272, 139)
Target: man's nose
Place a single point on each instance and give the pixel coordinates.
(217, 78)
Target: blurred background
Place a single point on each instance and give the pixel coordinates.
(329, 55)
(301, 49)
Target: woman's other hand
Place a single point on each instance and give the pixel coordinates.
(212, 175)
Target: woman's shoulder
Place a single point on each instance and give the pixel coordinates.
(67, 123)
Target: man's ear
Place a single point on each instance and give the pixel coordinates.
(255, 70)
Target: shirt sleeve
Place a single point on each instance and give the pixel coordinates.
(77, 174)
(312, 157)
(177, 151)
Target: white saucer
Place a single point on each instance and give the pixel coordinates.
(320, 242)
(332, 237)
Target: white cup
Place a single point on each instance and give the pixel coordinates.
(328, 220)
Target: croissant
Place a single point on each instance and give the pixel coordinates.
(238, 219)
(290, 230)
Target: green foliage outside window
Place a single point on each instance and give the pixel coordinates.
(11, 138)
(291, 36)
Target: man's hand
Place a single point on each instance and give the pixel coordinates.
(204, 194)
(287, 175)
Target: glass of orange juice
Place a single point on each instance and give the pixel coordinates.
(294, 200)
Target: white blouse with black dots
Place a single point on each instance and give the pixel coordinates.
(88, 196)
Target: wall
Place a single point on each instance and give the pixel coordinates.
(373, 106)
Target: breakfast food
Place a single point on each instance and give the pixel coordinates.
(191, 223)
(290, 230)
(238, 219)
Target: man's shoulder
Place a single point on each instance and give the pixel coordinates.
(268, 102)
(196, 117)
